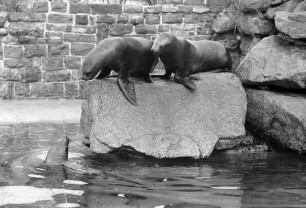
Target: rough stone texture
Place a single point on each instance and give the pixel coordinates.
(252, 5)
(12, 51)
(120, 29)
(40, 6)
(81, 49)
(57, 76)
(6, 90)
(26, 17)
(132, 8)
(105, 18)
(3, 17)
(47, 90)
(261, 26)
(274, 62)
(281, 118)
(169, 120)
(81, 19)
(288, 6)
(26, 29)
(52, 63)
(60, 18)
(79, 8)
(58, 49)
(172, 18)
(137, 19)
(247, 43)
(292, 24)
(106, 8)
(35, 50)
(222, 23)
(72, 62)
(145, 29)
(301, 7)
(59, 6)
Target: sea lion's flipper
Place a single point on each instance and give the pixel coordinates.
(186, 82)
(147, 78)
(128, 89)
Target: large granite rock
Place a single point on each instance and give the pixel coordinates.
(170, 121)
(280, 118)
(247, 6)
(292, 24)
(288, 6)
(273, 61)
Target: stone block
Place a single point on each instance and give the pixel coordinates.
(59, 6)
(71, 90)
(106, 18)
(136, 19)
(198, 18)
(79, 8)
(13, 51)
(60, 18)
(152, 9)
(26, 17)
(53, 63)
(171, 1)
(249, 6)
(81, 19)
(163, 28)
(14, 63)
(72, 62)
(185, 8)
(218, 5)
(200, 9)
(27, 40)
(57, 76)
(61, 28)
(47, 90)
(3, 18)
(22, 89)
(106, 8)
(152, 19)
(132, 8)
(8, 74)
(35, 50)
(81, 49)
(58, 50)
(169, 9)
(83, 38)
(26, 29)
(120, 29)
(194, 2)
(171, 18)
(122, 18)
(278, 118)
(102, 32)
(273, 58)
(84, 29)
(40, 6)
(31, 74)
(3, 31)
(6, 90)
(145, 29)
(175, 123)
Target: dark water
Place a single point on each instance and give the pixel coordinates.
(224, 180)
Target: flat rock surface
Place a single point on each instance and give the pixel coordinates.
(273, 61)
(279, 117)
(169, 121)
(292, 24)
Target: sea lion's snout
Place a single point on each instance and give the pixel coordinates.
(85, 76)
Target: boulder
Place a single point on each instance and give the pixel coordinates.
(292, 24)
(247, 6)
(223, 23)
(280, 118)
(170, 121)
(289, 6)
(274, 61)
(301, 7)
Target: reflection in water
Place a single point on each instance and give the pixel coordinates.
(87, 180)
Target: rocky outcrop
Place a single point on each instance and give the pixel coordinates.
(274, 62)
(292, 24)
(279, 118)
(170, 121)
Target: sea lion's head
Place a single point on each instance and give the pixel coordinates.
(161, 43)
(90, 66)
(58, 151)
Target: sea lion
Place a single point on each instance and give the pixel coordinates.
(58, 152)
(183, 57)
(125, 55)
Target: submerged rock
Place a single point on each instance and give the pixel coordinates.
(281, 118)
(170, 121)
(292, 24)
(273, 61)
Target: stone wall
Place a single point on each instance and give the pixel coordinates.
(42, 47)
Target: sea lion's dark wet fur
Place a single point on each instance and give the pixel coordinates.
(58, 152)
(184, 58)
(127, 56)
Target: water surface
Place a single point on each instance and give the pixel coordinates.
(224, 180)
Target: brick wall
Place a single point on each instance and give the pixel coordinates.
(41, 51)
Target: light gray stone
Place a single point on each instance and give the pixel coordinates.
(281, 118)
(169, 121)
(292, 24)
(222, 23)
(252, 5)
(273, 61)
(288, 6)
